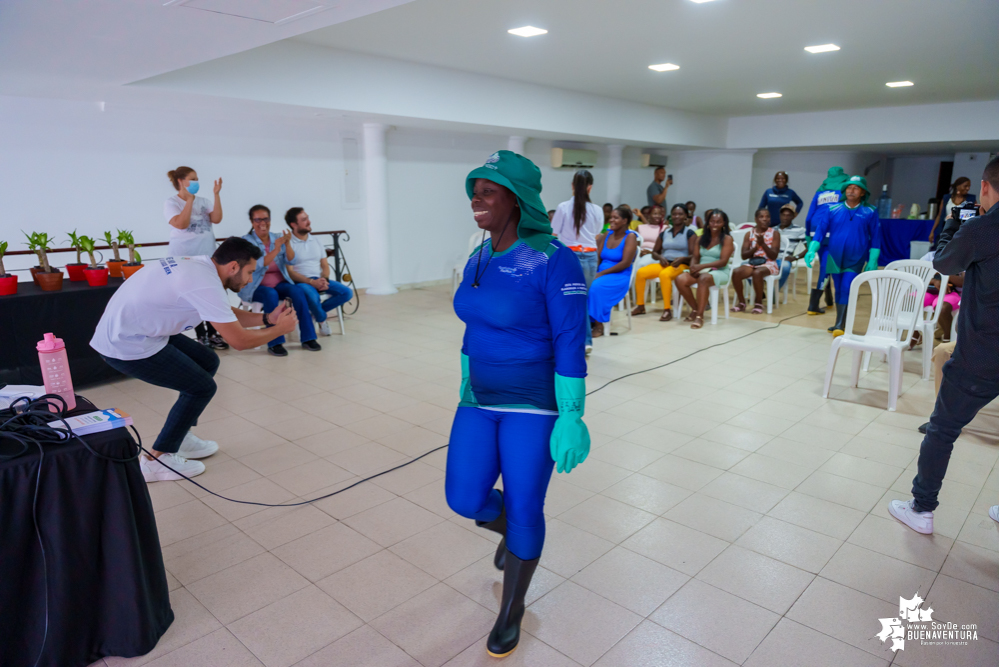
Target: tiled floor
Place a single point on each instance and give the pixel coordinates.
(727, 513)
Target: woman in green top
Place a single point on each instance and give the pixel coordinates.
(708, 267)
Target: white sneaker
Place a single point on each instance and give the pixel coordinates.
(194, 447)
(921, 522)
(994, 512)
(589, 348)
(324, 329)
(153, 470)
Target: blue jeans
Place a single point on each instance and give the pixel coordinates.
(785, 271)
(270, 296)
(962, 394)
(339, 295)
(186, 366)
(588, 261)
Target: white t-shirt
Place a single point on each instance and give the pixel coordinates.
(308, 256)
(198, 238)
(564, 228)
(170, 296)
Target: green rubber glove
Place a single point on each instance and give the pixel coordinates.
(466, 386)
(813, 247)
(570, 442)
(872, 263)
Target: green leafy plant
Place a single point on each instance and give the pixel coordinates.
(127, 239)
(39, 243)
(3, 251)
(74, 242)
(89, 245)
(113, 245)
(135, 253)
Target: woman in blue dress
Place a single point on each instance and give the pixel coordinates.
(616, 252)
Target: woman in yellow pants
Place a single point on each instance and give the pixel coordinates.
(672, 253)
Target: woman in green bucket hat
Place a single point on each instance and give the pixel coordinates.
(523, 302)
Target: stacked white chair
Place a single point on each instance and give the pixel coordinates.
(889, 292)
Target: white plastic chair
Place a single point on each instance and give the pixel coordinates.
(924, 271)
(792, 277)
(889, 290)
(459, 269)
(771, 281)
(625, 303)
(737, 238)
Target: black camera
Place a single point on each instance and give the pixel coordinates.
(965, 211)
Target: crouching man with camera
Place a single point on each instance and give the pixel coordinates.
(971, 377)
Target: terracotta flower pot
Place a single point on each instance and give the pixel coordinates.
(75, 272)
(129, 269)
(8, 284)
(34, 270)
(114, 267)
(49, 282)
(96, 277)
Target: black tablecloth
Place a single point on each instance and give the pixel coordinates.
(71, 314)
(107, 587)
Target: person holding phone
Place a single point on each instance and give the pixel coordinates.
(656, 192)
(957, 196)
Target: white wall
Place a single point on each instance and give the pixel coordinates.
(914, 180)
(971, 165)
(712, 179)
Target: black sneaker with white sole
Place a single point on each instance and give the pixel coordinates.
(277, 351)
(312, 346)
(217, 342)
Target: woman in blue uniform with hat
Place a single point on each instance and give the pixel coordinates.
(523, 302)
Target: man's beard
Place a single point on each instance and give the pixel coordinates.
(233, 283)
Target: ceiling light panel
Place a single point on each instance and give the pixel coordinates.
(665, 67)
(899, 84)
(768, 96)
(528, 31)
(822, 48)
(700, 1)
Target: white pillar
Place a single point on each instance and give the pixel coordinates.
(516, 144)
(376, 183)
(614, 153)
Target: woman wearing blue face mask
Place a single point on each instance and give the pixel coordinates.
(191, 219)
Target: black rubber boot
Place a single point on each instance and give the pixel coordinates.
(516, 580)
(497, 525)
(813, 302)
(839, 328)
(829, 293)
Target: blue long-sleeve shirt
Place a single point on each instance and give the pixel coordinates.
(852, 233)
(523, 324)
(821, 200)
(774, 199)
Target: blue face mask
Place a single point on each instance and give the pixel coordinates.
(193, 187)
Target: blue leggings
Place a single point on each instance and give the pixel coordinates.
(842, 282)
(486, 444)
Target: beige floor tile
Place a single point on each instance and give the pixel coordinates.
(280, 457)
(864, 470)
(844, 614)
(676, 546)
(794, 545)
(646, 493)
(377, 584)
(819, 515)
(764, 581)
(681, 472)
(891, 538)
(297, 428)
(165, 495)
(414, 441)
(805, 433)
(185, 520)
(796, 452)
(876, 574)
(594, 475)
(351, 501)
(444, 549)
(563, 496)
(737, 436)
(320, 554)
(276, 526)
(974, 565)
(220, 649)
(841, 490)
(711, 453)
(579, 623)
(330, 441)
(659, 438)
(304, 479)
(569, 549)
(248, 442)
(483, 583)
(273, 415)
(432, 497)
(414, 476)
(744, 492)
(960, 602)
(714, 517)
(784, 646)
(295, 627)
(685, 423)
(347, 413)
(246, 587)
(220, 475)
(191, 622)
(881, 452)
(631, 580)
(626, 455)
(531, 652)
(611, 424)
(436, 625)
(772, 471)
(979, 530)
(378, 426)
(761, 421)
(607, 518)
(368, 459)
(260, 490)
(719, 621)
(651, 645)
(392, 522)
(363, 647)
(210, 552)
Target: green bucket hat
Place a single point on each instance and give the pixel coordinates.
(523, 178)
(835, 178)
(859, 181)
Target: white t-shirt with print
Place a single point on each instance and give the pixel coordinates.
(198, 238)
(168, 296)
(308, 256)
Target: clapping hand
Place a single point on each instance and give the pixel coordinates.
(285, 237)
(218, 185)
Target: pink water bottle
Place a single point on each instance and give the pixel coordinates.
(55, 369)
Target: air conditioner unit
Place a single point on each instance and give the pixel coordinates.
(570, 158)
(650, 160)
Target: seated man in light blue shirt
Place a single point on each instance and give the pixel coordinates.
(312, 271)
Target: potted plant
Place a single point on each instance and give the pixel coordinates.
(134, 261)
(96, 274)
(114, 265)
(47, 278)
(8, 282)
(75, 270)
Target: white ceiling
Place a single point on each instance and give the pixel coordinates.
(728, 50)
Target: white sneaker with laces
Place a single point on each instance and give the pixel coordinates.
(921, 522)
(194, 447)
(589, 348)
(324, 329)
(994, 512)
(153, 470)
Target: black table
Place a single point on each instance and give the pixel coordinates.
(107, 588)
(71, 314)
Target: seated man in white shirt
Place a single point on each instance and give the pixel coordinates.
(312, 271)
(140, 334)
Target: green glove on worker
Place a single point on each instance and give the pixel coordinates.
(813, 247)
(872, 263)
(570, 442)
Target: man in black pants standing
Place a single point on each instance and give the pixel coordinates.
(971, 377)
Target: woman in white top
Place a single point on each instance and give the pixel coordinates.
(191, 219)
(576, 223)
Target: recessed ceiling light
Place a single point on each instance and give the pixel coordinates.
(899, 84)
(665, 67)
(528, 31)
(700, 1)
(768, 96)
(822, 48)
